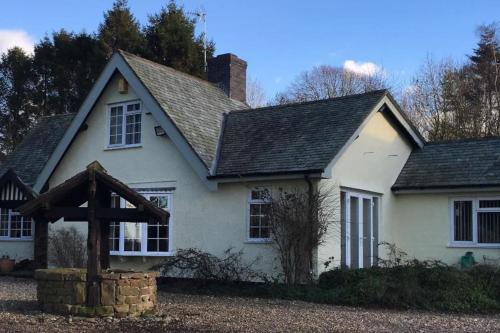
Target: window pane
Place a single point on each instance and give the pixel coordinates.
(153, 231)
(115, 123)
(152, 245)
(489, 203)
(15, 226)
(163, 245)
(114, 234)
(463, 221)
(133, 129)
(254, 232)
(255, 221)
(163, 231)
(4, 222)
(259, 220)
(132, 241)
(158, 232)
(265, 233)
(265, 209)
(27, 227)
(488, 227)
(254, 209)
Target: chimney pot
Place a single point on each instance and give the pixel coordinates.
(229, 73)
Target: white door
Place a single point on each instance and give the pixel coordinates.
(359, 232)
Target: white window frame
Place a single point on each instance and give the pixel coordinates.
(124, 105)
(144, 231)
(250, 202)
(9, 225)
(361, 196)
(475, 210)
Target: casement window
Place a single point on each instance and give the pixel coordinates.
(259, 228)
(475, 222)
(142, 239)
(124, 124)
(14, 226)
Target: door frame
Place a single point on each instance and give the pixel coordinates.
(361, 196)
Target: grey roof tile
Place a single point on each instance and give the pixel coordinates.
(194, 105)
(452, 164)
(291, 138)
(31, 155)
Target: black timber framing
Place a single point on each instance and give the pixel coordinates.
(95, 187)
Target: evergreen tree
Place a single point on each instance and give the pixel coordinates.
(67, 66)
(484, 72)
(16, 107)
(171, 40)
(120, 30)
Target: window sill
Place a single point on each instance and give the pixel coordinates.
(16, 239)
(122, 147)
(473, 246)
(124, 254)
(259, 241)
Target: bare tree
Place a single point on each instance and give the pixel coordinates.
(453, 101)
(68, 248)
(256, 97)
(299, 220)
(425, 101)
(327, 82)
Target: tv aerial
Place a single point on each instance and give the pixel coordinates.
(201, 16)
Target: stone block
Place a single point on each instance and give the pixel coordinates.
(132, 299)
(138, 283)
(86, 311)
(104, 311)
(128, 291)
(122, 308)
(120, 299)
(80, 292)
(107, 293)
(123, 283)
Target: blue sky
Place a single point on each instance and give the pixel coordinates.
(280, 39)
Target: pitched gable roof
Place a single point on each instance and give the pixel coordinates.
(291, 138)
(194, 105)
(187, 108)
(452, 164)
(30, 157)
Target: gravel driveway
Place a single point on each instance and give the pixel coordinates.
(181, 313)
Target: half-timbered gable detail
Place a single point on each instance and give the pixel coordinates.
(13, 193)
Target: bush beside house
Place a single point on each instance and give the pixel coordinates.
(398, 284)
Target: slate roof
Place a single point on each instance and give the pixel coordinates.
(291, 138)
(31, 155)
(194, 105)
(452, 164)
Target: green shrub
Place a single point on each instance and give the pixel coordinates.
(416, 284)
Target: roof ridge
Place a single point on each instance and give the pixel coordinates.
(486, 138)
(208, 83)
(331, 99)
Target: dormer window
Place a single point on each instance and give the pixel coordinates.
(124, 124)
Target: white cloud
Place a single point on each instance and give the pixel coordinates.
(364, 68)
(11, 38)
(278, 79)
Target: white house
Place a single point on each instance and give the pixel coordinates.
(195, 148)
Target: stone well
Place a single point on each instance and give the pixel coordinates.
(123, 293)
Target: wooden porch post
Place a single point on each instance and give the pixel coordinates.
(41, 242)
(105, 231)
(93, 244)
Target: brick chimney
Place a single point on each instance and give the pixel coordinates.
(229, 73)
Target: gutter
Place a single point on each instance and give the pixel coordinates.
(445, 188)
(266, 174)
